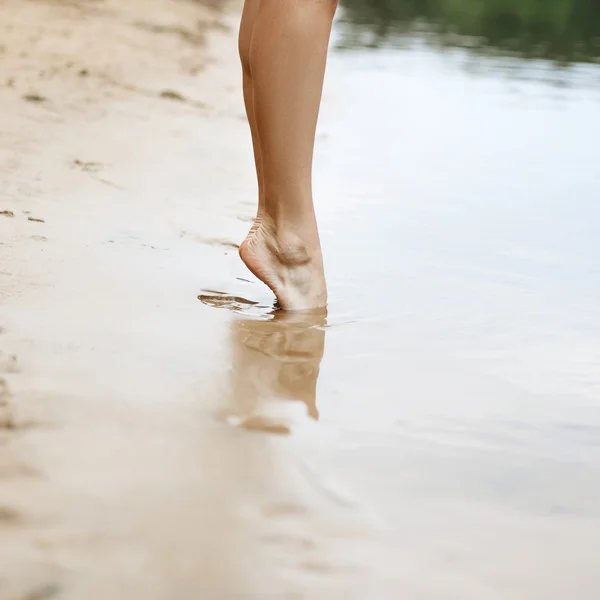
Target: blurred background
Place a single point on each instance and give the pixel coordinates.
(564, 31)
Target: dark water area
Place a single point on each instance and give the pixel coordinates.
(564, 31)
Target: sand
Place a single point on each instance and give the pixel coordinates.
(136, 458)
(119, 171)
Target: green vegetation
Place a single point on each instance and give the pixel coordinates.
(562, 30)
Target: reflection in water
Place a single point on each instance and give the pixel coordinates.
(560, 30)
(274, 361)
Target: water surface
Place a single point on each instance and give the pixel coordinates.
(458, 395)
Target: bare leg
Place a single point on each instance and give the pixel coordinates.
(288, 51)
(246, 28)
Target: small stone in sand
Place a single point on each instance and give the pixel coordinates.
(34, 98)
(88, 166)
(7, 213)
(172, 95)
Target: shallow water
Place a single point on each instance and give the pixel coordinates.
(457, 380)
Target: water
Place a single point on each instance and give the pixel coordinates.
(458, 395)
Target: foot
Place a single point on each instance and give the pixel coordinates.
(291, 268)
(255, 226)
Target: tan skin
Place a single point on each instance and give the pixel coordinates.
(283, 48)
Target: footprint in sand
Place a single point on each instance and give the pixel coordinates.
(7, 419)
(8, 516)
(8, 363)
(5, 394)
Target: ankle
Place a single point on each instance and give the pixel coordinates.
(292, 251)
(291, 245)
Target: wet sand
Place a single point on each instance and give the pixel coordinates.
(158, 445)
(134, 463)
(118, 478)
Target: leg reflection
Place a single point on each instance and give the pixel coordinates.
(274, 362)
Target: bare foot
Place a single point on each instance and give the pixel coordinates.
(255, 226)
(292, 269)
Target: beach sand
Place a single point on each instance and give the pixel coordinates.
(124, 167)
(136, 460)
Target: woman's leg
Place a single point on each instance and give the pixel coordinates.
(288, 51)
(246, 27)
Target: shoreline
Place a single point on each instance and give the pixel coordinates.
(126, 466)
(105, 227)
